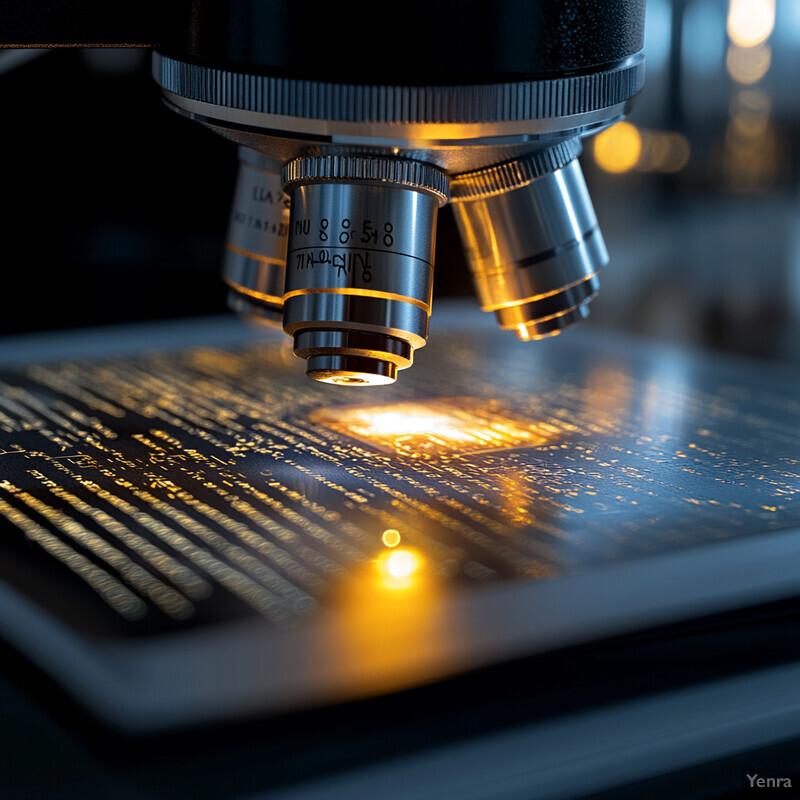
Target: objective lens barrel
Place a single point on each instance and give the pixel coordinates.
(254, 265)
(532, 240)
(359, 276)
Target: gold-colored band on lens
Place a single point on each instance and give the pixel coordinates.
(523, 331)
(569, 310)
(264, 298)
(535, 297)
(255, 256)
(354, 292)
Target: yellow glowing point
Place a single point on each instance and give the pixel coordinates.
(391, 537)
(401, 564)
(398, 569)
(750, 22)
(618, 148)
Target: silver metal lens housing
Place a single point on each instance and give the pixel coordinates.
(254, 264)
(533, 243)
(532, 240)
(359, 276)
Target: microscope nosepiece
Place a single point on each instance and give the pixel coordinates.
(531, 240)
(367, 159)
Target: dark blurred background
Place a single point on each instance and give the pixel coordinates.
(116, 208)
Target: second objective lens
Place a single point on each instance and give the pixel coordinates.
(254, 266)
(531, 239)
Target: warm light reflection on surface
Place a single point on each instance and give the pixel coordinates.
(750, 22)
(398, 568)
(437, 427)
(524, 333)
(384, 625)
(418, 420)
(608, 391)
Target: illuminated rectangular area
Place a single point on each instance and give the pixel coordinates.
(438, 428)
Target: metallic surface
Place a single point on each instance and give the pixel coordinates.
(359, 274)
(293, 104)
(455, 127)
(254, 264)
(453, 148)
(532, 241)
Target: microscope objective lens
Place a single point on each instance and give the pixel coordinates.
(333, 228)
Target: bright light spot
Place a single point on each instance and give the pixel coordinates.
(748, 64)
(618, 148)
(396, 423)
(401, 564)
(427, 430)
(391, 537)
(398, 568)
(750, 22)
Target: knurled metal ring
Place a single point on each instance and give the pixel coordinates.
(477, 103)
(372, 169)
(513, 174)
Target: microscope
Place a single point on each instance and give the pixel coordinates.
(356, 124)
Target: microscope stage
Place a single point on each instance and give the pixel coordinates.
(195, 531)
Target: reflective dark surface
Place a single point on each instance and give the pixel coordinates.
(205, 485)
(202, 484)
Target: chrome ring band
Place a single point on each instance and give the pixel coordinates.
(513, 174)
(493, 102)
(371, 169)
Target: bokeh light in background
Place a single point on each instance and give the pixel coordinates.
(751, 154)
(748, 64)
(697, 191)
(749, 26)
(624, 147)
(399, 565)
(750, 22)
(618, 148)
